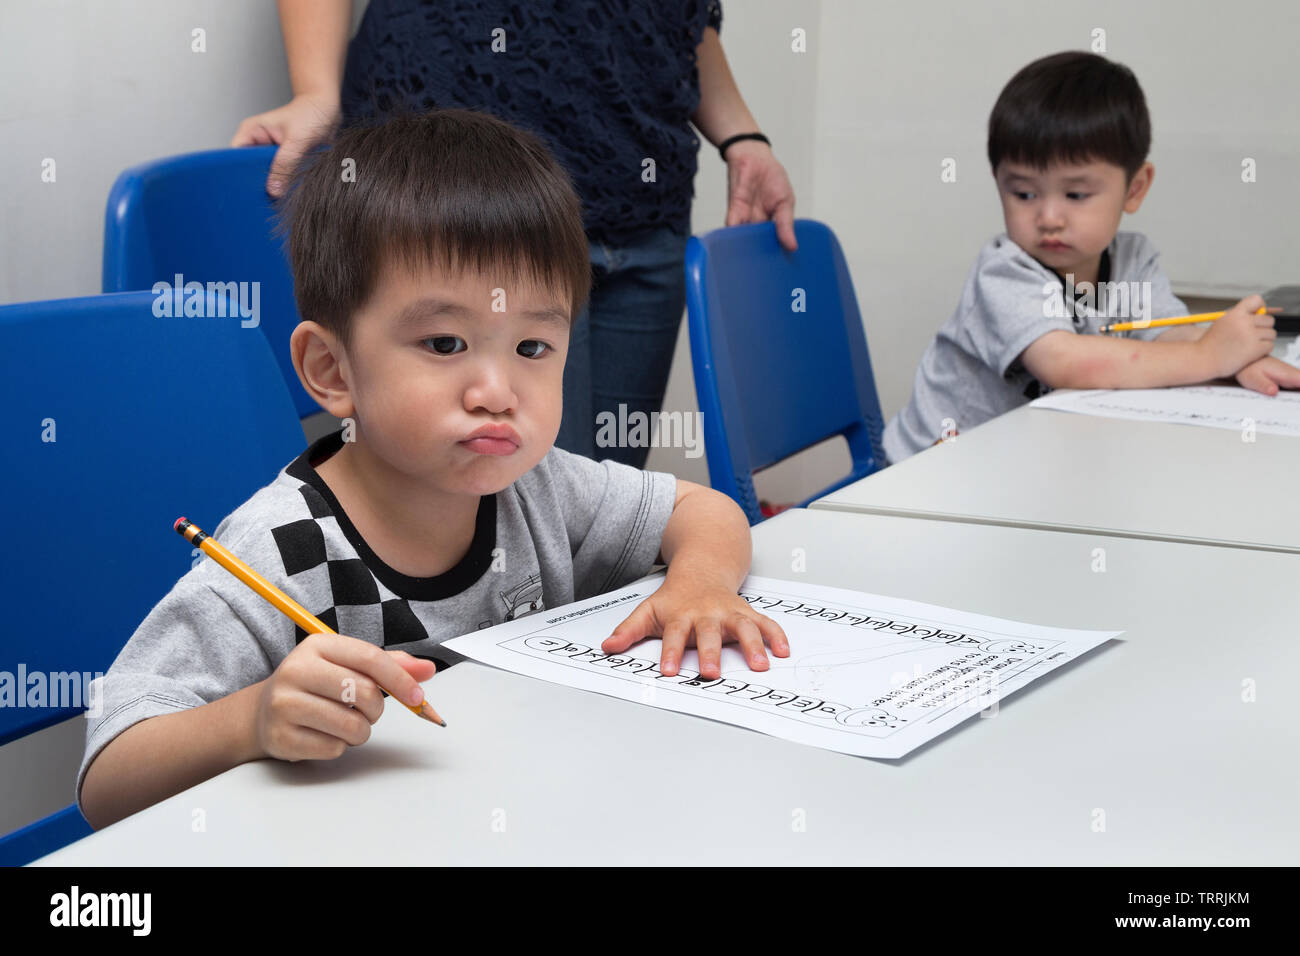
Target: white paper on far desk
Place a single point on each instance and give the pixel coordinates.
(867, 675)
(1218, 406)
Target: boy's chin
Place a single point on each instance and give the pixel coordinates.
(491, 474)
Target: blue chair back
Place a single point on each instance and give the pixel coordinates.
(207, 218)
(117, 422)
(779, 354)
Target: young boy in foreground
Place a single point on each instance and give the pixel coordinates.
(1068, 141)
(436, 286)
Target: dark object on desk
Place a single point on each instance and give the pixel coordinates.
(1287, 322)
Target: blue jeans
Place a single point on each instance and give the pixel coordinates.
(621, 346)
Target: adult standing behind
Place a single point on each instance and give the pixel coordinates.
(611, 87)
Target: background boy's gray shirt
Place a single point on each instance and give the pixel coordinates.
(970, 372)
(568, 529)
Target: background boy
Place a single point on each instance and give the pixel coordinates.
(1068, 141)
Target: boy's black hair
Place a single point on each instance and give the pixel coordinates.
(455, 189)
(1071, 107)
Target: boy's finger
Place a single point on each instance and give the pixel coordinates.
(421, 668)
(1254, 379)
(375, 664)
(342, 685)
(750, 640)
(304, 743)
(774, 636)
(636, 626)
(1284, 374)
(708, 644)
(670, 658)
(314, 712)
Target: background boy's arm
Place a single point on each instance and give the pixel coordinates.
(1062, 359)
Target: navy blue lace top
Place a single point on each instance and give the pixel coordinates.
(606, 84)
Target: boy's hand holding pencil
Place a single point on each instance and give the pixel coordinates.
(324, 697)
(1244, 334)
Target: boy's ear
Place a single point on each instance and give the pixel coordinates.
(1138, 187)
(321, 363)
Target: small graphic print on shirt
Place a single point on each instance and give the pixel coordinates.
(520, 600)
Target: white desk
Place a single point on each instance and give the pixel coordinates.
(1060, 471)
(1151, 730)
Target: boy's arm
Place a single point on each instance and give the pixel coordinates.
(1067, 360)
(320, 700)
(161, 756)
(706, 536)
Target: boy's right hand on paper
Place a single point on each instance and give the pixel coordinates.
(326, 694)
(1238, 338)
(295, 126)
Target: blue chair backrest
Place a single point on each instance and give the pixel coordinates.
(117, 422)
(206, 217)
(779, 353)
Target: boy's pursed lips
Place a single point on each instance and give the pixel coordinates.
(493, 440)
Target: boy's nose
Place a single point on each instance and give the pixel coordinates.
(1050, 215)
(490, 389)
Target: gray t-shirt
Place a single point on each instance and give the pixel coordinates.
(972, 372)
(568, 529)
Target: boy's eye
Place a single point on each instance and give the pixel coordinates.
(447, 344)
(1023, 195)
(1077, 195)
(532, 348)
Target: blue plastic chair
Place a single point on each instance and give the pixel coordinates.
(153, 418)
(205, 216)
(772, 380)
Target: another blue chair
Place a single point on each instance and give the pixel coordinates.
(205, 216)
(151, 418)
(780, 357)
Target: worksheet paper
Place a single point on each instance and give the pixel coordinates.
(1218, 406)
(867, 675)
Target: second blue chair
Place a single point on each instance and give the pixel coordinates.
(206, 217)
(779, 354)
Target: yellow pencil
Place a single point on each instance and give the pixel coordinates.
(1177, 320)
(295, 611)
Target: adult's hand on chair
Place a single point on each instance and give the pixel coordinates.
(294, 126)
(758, 189)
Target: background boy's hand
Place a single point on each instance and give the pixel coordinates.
(703, 615)
(1268, 374)
(325, 695)
(1239, 337)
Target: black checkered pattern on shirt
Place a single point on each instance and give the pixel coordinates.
(358, 605)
